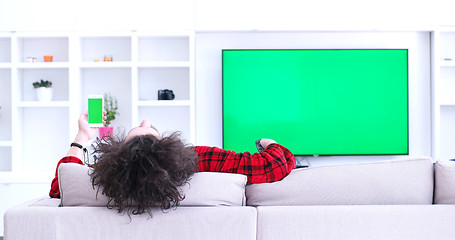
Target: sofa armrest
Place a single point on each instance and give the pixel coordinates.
(27, 219)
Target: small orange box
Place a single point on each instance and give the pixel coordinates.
(47, 58)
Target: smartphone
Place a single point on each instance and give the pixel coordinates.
(95, 110)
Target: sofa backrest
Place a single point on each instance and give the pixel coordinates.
(401, 181)
(444, 182)
(203, 189)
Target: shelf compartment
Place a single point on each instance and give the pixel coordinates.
(117, 82)
(5, 153)
(38, 47)
(5, 50)
(95, 48)
(44, 137)
(164, 103)
(447, 86)
(150, 80)
(5, 104)
(58, 77)
(447, 139)
(168, 120)
(447, 46)
(163, 48)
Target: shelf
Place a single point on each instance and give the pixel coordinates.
(5, 65)
(6, 143)
(9, 177)
(141, 66)
(36, 65)
(105, 64)
(44, 104)
(444, 86)
(447, 64)
(163, 103)
(447, 104)
(164, 64)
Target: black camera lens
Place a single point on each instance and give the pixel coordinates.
(170, 95)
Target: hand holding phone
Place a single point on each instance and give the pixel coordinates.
(95, 110)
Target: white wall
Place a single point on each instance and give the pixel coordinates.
(208, 77)
(94, 15)
(318, 15)
(201, 15)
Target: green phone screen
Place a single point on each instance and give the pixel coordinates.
(95, 110)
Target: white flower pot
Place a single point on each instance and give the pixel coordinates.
(44, 94)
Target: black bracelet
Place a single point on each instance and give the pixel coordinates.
(83, 148)
(76, 145)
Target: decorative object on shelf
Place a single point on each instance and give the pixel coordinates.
(43, 90)
(165, 94)
(108, 58)
(31, 59)
(48, 58)
(111, 108)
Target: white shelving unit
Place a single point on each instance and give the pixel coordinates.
(35, 135)
(444, 93)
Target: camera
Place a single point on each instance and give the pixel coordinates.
(165, 94)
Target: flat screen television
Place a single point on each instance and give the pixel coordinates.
(317, 101)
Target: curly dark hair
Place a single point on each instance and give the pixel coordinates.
(144, 172)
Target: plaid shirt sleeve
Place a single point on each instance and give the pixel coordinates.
(272, 164)
(55, 190)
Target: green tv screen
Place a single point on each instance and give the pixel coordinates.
(317, 101)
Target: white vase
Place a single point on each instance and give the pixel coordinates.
(44, 94)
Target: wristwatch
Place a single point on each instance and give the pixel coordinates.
(259, 146)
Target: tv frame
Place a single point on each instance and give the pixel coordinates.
(308, 49)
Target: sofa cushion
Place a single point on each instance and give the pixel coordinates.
(401, 181)
(444, 192)
(41, 222)
(203, 189)
(356, 222)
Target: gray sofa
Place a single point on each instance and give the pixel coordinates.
(407, 198)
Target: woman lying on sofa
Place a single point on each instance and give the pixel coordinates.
(146, 168)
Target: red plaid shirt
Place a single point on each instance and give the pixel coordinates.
(271, 165)
(55, 190)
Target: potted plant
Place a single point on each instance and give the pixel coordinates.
(43, 90)
(111, 108)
